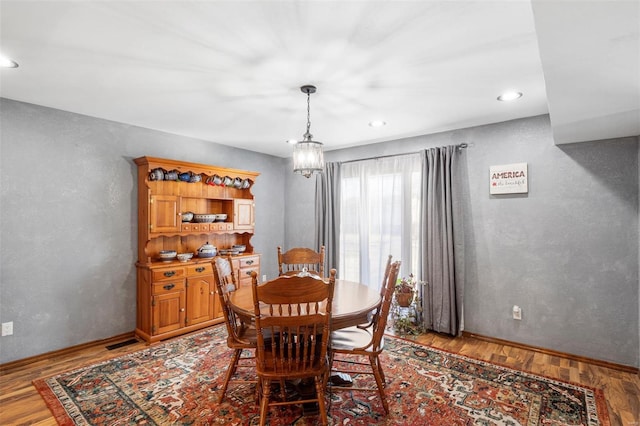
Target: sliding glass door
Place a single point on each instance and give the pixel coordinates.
(379, 215)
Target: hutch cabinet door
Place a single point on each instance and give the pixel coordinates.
(200, 299)
(243, 214)
(164, 213)
(168, 312)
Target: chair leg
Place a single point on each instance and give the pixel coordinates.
(379, 381)
(320, 394)
(258, 392)
(230, 372)
(264, 400)
(283, 389)
(384, 379)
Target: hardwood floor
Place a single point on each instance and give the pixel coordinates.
(20, 403)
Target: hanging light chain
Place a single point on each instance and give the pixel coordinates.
(308, 136)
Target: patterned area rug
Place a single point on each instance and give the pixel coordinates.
(178, 383)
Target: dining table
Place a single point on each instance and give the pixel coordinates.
(352, 304)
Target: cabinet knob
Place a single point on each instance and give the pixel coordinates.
(249, 262)
(181, 309)
(169, 286)
(200, 269)
(169, 273)
(212, 293)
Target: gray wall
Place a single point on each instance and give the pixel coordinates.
(299, 209)
(566, 252)
(68, 230)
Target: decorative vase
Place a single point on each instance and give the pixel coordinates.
(404, 299)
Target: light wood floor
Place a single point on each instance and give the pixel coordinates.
(20, 403)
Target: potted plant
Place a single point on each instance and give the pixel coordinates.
(405, 290)
(406, 312)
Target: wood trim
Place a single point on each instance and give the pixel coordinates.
(129, 335)
(53, 354)
(600, 363)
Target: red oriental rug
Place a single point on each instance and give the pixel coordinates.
(178, 383)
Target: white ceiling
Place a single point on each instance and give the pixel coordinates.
(230, 71)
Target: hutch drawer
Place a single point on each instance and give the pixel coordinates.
(249, 261)
(246, 265)
(168, 287)
(162, 274)
(200, 269)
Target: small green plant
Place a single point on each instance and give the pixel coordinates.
(406, 325)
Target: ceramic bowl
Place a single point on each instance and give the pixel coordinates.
(187, 216)
(204, 218)
(167, 255)
(184, 257)
(240, 247)
(221, 217)
(195, 178)
(231, 251)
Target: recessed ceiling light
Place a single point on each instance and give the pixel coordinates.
(7, 63)
(510, 96)
(377, 123)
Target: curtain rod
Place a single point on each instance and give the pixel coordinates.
(460, 146)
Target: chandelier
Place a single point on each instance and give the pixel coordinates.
(307, 154)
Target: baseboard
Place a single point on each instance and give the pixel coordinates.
(41, 357)
(129, 335)
(599, 363)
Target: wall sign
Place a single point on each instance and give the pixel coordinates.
(508, 179)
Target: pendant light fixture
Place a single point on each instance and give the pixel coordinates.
(308, 157)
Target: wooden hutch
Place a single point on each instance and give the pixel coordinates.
(178, 297)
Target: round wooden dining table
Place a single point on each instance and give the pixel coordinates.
(352, 303)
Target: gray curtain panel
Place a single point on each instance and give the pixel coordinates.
(328, 214)
(442, 240)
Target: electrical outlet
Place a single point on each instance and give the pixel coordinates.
(264, 278)
(7, 328)
(517, 312)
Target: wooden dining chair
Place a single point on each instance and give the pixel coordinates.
(385, 277)
(296, 310)
(351, 344)
(293, 261)
(240, 336)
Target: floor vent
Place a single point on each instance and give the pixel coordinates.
(121, 344)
